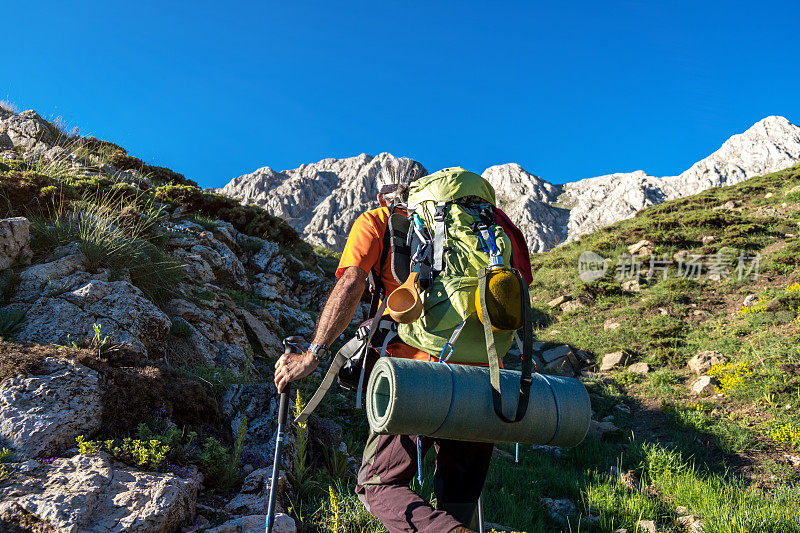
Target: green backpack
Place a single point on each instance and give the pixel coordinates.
(452, 203)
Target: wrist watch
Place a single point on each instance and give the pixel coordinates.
(319, 351)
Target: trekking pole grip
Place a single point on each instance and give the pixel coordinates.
(290, 345)
(283, 408)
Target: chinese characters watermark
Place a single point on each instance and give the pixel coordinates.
(719, 266)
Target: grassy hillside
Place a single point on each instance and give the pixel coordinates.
(729, 458)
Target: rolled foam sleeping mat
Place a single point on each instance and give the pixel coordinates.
(409, 397)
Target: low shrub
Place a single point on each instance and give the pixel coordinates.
(248, 219)
(10, 323)
(113, 232)
(220, 465)
(110, 153)
(787, 434)
(151, 454)
(180, 328)
(730, 375)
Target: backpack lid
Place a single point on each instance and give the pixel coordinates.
(449, 184)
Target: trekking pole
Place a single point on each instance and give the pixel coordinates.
(480, 513)
(290, 345)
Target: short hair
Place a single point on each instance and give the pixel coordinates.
(396, 175)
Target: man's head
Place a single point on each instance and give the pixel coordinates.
(395, 177)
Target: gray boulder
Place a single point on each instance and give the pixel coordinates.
(217, 334)
(94, 494)
(14, 241)
(262, 259)
(259, 403)
(226, 266)
(254, 496)
(41, 414)
(69, 308)
(559, 510)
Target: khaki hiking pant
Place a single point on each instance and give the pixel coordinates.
(389, 464)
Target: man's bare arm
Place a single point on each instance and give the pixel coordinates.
(336, 316)
(341, 306)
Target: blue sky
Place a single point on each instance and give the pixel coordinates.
(567, 89)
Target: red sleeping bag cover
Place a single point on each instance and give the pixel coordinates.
(520, 257)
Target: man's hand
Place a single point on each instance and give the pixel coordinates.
(336, 315)
(293, 366)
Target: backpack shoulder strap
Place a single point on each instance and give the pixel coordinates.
(374, 279)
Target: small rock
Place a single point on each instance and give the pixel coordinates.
(620, 530)
(572, 305)
(697, 527)
(630, 479)
(559, 509)
(255, 524)
(566, 366)
(793, 459)
(254, 495)
(622, 408)
(768, 195)
(560, 361)
(701, 362)
(639, 368)
(640, 247)
(681, 510)
(708, 239)
(646, 525)
(610, 324)
(704, 385)
(613, 359)
(686, 520)
(750, 300)
(554, 451)
(263, 258)
(548, 356)
(604, 430)
(631, 285)
(555, 302)
(681, 255)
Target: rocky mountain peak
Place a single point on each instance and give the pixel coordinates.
(321, 200)
(769, 145)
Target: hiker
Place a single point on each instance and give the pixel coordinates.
(390, 461)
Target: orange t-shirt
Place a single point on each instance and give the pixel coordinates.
(363, 250)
